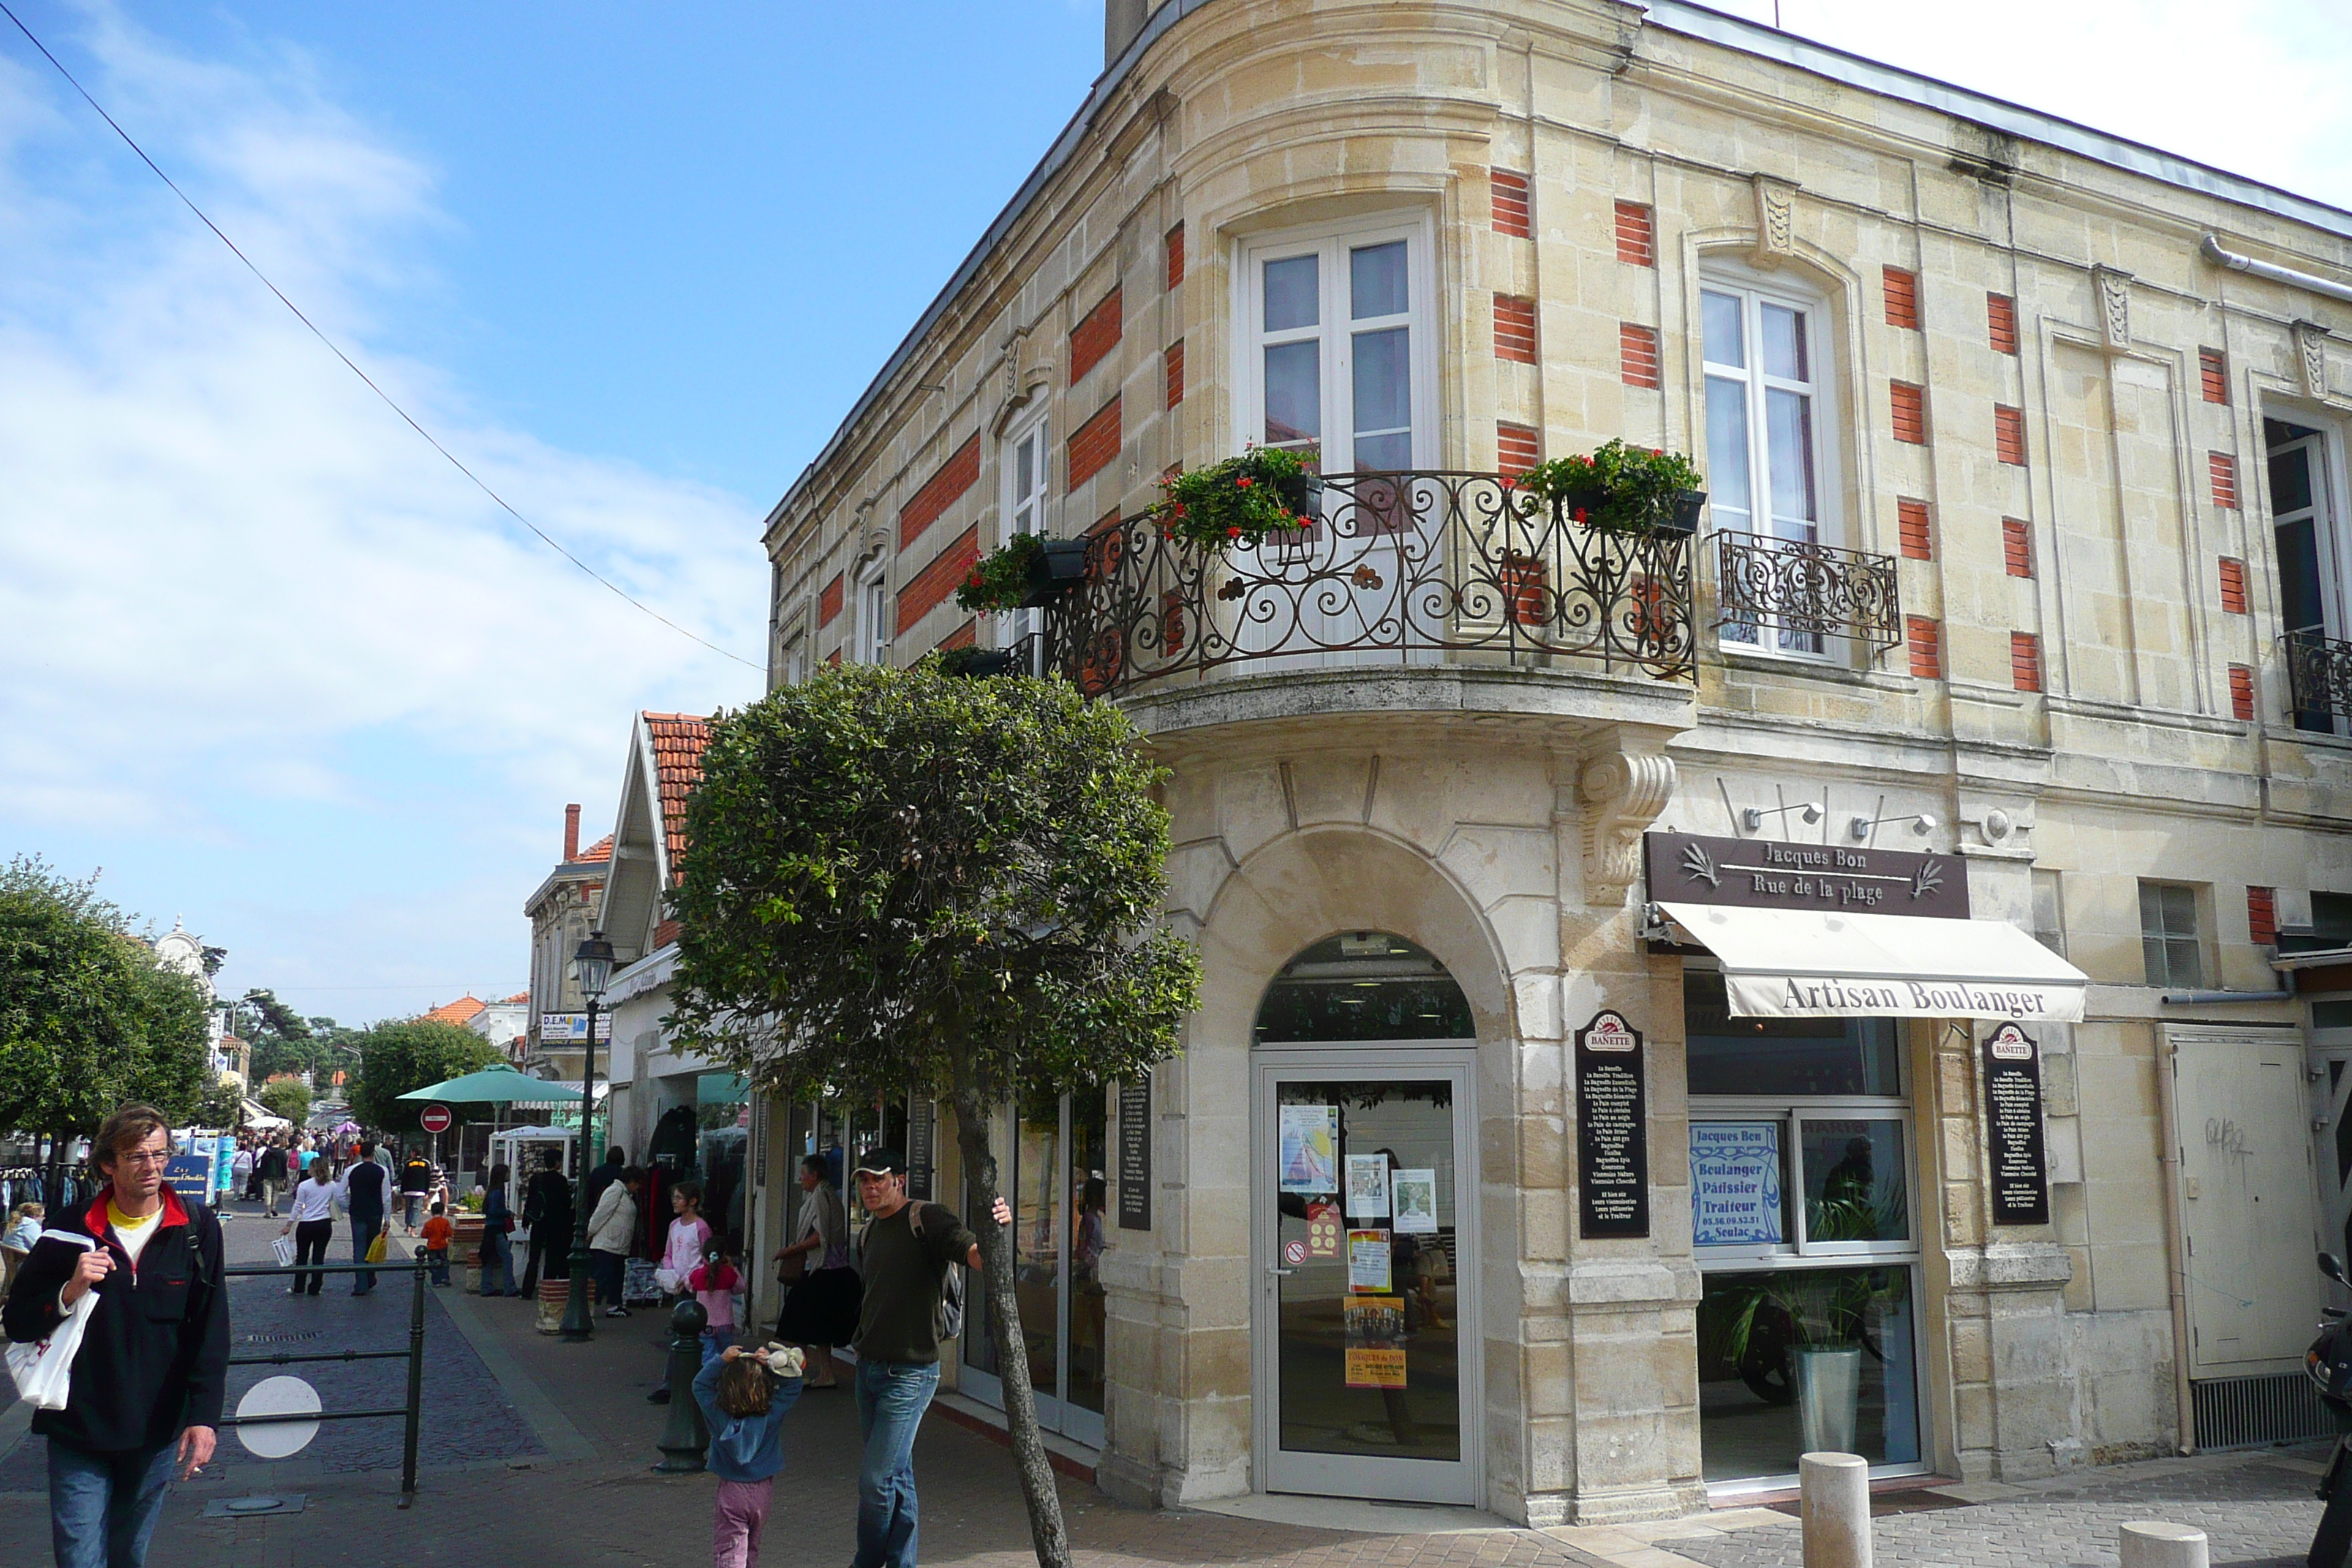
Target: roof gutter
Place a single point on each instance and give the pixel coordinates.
(2211, 250)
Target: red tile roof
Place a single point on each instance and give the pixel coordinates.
(518, 996)
(679, 740)
(600, 850)
(457, 1012)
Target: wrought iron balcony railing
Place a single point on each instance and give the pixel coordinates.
(2318, 674)
(1804, 593)
(1416, 565)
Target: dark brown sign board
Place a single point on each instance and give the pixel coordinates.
(1776, 874)
(2012, 1086)
(1135, 1154)
(1613, 1129)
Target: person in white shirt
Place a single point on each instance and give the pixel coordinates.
(311, 1222)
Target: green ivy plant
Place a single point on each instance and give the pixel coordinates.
(1616, 486)
(1000, 579)
(1237, 501)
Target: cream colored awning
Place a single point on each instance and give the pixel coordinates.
(1821, 964)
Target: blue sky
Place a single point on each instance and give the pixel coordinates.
(277, 671)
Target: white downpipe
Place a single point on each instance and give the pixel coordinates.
(2211, 250)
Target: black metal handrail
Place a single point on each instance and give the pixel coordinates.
(1402, 564)
(1809, 589)
(2318, 673)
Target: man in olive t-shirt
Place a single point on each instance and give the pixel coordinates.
(904, 1257)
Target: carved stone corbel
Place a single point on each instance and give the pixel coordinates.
(1623, 793)
(2114, 308)
(1028, 369)
(1776, 221)
(2310, 358)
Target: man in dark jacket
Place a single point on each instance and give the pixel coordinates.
(365, 1187)
(271, 1168)
(547, 1210)
(148, 1379)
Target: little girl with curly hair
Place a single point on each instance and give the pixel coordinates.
(744, 1394)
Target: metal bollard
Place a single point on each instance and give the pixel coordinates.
(2146, 1543)
(1835, 1493)
(684, 1439)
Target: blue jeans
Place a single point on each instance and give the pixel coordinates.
(103, 1507)
(498, 1264)
(715, 1343)
(891, 1399)
(363, 1231)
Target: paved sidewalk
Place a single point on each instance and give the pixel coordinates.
(537, 1452)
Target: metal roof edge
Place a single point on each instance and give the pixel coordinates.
(2034, 124)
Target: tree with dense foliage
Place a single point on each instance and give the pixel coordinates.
(88, 1018)
(905, 880)
(288, 1098)
(410, 1054)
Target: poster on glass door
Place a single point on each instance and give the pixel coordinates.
(1309, 1150)
(1736, 1183)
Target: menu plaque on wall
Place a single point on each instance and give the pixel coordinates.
(923, 1152)
(1135, 1154)
(1612, 1138)
(2013, 1083)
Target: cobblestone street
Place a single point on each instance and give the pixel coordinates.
(535, 1452)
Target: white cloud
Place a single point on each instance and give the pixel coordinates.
(241, 606)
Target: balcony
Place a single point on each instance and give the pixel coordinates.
(1807, 594)
(1404, 568)
(2318, 678)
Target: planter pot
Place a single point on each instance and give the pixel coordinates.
(1303, 494)
(553, 1296)
(1526, 586)
(1059, 566)
(1683, 518)
(1586, 498)
(979, 662)
(1828, 1380)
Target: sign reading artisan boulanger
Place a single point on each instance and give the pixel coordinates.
(1771, 874)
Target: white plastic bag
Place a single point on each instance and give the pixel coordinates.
(282, 1249)
(43, 1369)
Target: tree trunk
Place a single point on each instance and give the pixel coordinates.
(1045, 1530)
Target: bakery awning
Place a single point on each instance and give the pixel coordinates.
(1821, 964)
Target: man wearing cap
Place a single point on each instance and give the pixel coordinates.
(905, 1257)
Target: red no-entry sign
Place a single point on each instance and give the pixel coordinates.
(435, 1119)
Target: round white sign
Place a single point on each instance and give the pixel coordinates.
(278, 1396)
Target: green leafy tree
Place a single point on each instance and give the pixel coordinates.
(219, 1106)
(916, 881)
(88, 1018)
(285, 1097)
(410, 1054)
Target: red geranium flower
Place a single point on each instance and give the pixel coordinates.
(1244, 483)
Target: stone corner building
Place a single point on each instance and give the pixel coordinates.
(1854, 974)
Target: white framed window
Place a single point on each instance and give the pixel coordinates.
(2171, 939)
(1028, 486)
(872, 618)
(1769, 436)
(1338, 345)
(796, 662)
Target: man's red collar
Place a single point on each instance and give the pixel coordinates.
(174, 1212)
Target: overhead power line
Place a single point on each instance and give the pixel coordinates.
(390, 402)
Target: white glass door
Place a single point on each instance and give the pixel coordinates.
(1363, 1183)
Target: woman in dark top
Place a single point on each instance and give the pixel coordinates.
(498, 1244)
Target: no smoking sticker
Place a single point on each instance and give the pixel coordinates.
(1293, 1253)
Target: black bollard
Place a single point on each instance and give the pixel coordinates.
(684, 1439)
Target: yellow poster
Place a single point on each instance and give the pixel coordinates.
(1375, 1341)
(1376, 1368)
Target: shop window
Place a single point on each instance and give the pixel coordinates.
(1363, 986)
(1730, 1055)
(1338, 346)
(2168, 935)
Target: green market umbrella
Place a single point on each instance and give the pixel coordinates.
(499, 1086)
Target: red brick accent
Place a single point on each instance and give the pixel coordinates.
(2213, 370)
(2008, 434)
(1176, 256)
(1097, 335)
(1637, 354)
(1911, 526)
(1910, 405)
(1925, 639)
(1902, 289)
(1515, 329)
(1175, 364)
(2017, 546)
(2234, 586)
(1517, 447)
(2262, 915)
(963, 636)
(828, 604)
(2241, 691)
(2223, 469)
(930, 588)
(941, 491)
(665, 932)
(1508, 193)
(2025, 661)
(1637, 237)
(2000, 323)
(834, 658)
(1094, 444)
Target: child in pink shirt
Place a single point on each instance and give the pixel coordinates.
(713, 1283)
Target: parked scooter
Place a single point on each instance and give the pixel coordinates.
(2328, 1363)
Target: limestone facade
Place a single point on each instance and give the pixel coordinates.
(2099, 708)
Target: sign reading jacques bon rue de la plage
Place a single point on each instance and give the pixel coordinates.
(1613, 1129)
(2012, 1086)
(1768, 874)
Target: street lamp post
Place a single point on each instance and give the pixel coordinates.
(593, 965)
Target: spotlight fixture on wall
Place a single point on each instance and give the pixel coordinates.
(1923, 824)
(1753, 818)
